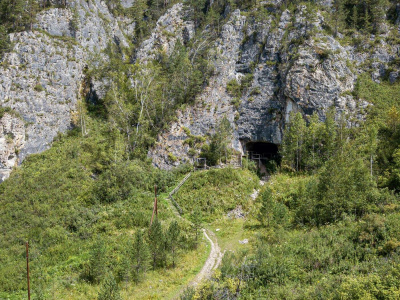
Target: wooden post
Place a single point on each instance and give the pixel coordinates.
(27, 270)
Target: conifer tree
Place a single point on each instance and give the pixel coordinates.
(97, 261)
(31, 9)
(339, 15)
(4, 40)
(367, 20)
(157, 244)
(354, 17)
(313, 141)
(293, 141)
(137, 12)
(173, 240)
(329, 134)
(266, 211)
(109, 289)
(140, 255)
(197, 219)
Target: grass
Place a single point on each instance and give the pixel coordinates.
(230, 232)
(217, 191)
(56, 211)
(160, 284)
(168, 283)
(382, 95)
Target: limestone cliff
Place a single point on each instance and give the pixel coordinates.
(283, 61)
(41, 77)
(287, 72)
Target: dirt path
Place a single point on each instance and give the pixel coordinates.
(213, 261)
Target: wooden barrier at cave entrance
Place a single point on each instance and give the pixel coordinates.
(234, 161)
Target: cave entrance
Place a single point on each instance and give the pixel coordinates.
(266, 155)
(264, 150)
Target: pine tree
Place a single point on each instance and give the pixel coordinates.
(97, 261)
(329, 134)
(157, 244)
(378, 9)
(339, 15)
(367, 27)
(371, 144)
(266, 211)
(219, 145)
(354, 17)
(173, 240)
(140, 255)
(293, 141)
(4, 40)
(109, 289)
(197, 219)
(31, 10)
(313, 141)
(137, 12)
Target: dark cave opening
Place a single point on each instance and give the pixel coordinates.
(263, 149)
(265, 155)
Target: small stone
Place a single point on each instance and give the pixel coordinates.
(393, 77)
(217, 229)
(245, 241)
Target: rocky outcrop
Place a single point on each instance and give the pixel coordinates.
(12, 140)
(41, 77)
(293, 65)
(211, 106)
(170, 28)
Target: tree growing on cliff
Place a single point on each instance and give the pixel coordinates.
(4, 40)
(293, 141)
(219, 146)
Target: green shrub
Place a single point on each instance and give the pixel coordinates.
(38, 88)
(233, 88)
(172, 158)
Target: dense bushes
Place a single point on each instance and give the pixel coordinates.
(346, 260)
(78, 199)
(123, 180)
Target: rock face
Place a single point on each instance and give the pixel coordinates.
(284, 62)
(41, 77)
(12, 140)
(170, 28)
(212, 105)
(293, 65)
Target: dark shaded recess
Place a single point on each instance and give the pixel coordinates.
(266, 150)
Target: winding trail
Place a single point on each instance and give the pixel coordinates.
(215, 257)
(213, 261)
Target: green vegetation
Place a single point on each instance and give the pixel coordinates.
(219, 148)
(83, 209)
(347, 259)
(38, 88)
(87, 202)
(326, 226)
(216, 192)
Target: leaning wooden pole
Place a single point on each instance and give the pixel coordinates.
(27, 270)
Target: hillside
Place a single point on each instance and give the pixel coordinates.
(286, 114)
